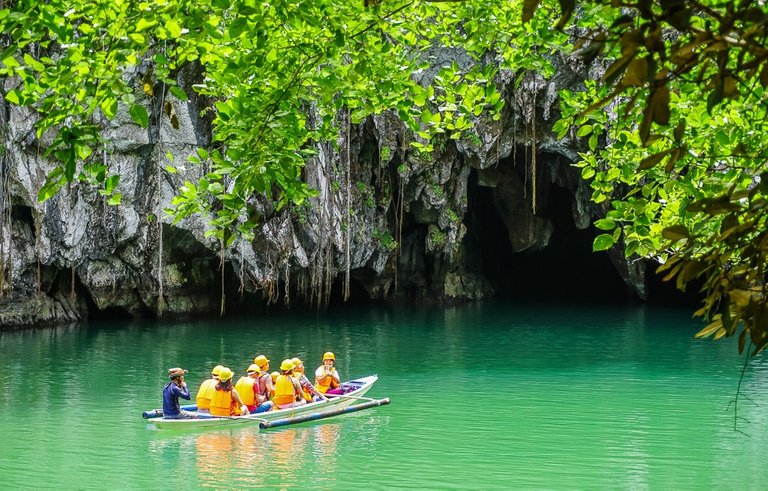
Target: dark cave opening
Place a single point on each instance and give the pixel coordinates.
(566, 269)
(357, 293)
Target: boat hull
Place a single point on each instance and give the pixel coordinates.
(333, 403)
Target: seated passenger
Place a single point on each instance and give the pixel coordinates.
(308, 391)
(248, 389)
(266, 382)
(174, 389)
(207, 389)
(226, 401)
(287, 388)
(326, 377)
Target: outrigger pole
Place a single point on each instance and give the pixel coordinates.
(325, 414)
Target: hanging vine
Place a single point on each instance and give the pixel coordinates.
(348, 213)
(533, 153)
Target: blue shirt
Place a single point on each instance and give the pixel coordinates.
(171, 394)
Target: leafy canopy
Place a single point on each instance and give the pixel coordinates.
(278, 73)
(679, 158)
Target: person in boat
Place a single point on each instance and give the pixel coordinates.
(308, 391)
(207, 389)
(326, 377)
(248, 388)
(266, 383)
(226, 401)
(287, 388)
(175, 388)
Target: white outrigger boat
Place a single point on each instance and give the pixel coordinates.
(352, 400)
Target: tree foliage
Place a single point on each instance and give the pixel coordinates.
(278, 72)
(679, 158)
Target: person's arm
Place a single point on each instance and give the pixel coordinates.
(270, 386)
(257, 395)
(182, 391)
(311, 388)
(296, 389)
(335, 375)
(321, 374)
(243, 407)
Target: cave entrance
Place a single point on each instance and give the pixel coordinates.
(566, 269)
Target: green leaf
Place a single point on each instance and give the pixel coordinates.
(675, 233)
(115, 199)
(139, 115)
(179, 93)
(173, 27)
(584, 130)
(144, 24)
(605, 224)
(602, 242)
(13, 97)
(109, 107)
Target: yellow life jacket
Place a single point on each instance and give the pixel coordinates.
(328, 383)
(223, 404)
(244, 387)
(285, 392)
(205, 394)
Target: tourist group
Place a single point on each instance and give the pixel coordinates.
(257, 392)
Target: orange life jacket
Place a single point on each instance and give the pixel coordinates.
(223, 404)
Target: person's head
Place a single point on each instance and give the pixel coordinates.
(253, 371)
(328, 359)
(286, 366)
(225, 378)
(298, 365)
(215, 372)
(262, 362)
(274, 376)
(176, 374)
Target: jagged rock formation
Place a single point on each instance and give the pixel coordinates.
(399, 223)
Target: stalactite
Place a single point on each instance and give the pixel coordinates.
(241, 289)
(38, 230)
(221, 267)
(287, 301)
(72, 292)
(159, 209)
(348, 213)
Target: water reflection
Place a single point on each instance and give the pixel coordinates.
(247, 458)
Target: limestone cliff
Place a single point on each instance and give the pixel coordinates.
(401, 224)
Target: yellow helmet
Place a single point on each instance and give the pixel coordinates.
(225, 374)
(296, 362)
(254, 369)
(329, 356)
(216, 370)
(274, 376)
(261, 360)
(286, 365)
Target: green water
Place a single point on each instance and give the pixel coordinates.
(483, 397)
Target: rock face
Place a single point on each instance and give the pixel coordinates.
(399, 224)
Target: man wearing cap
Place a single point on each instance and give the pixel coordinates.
(174, 389)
